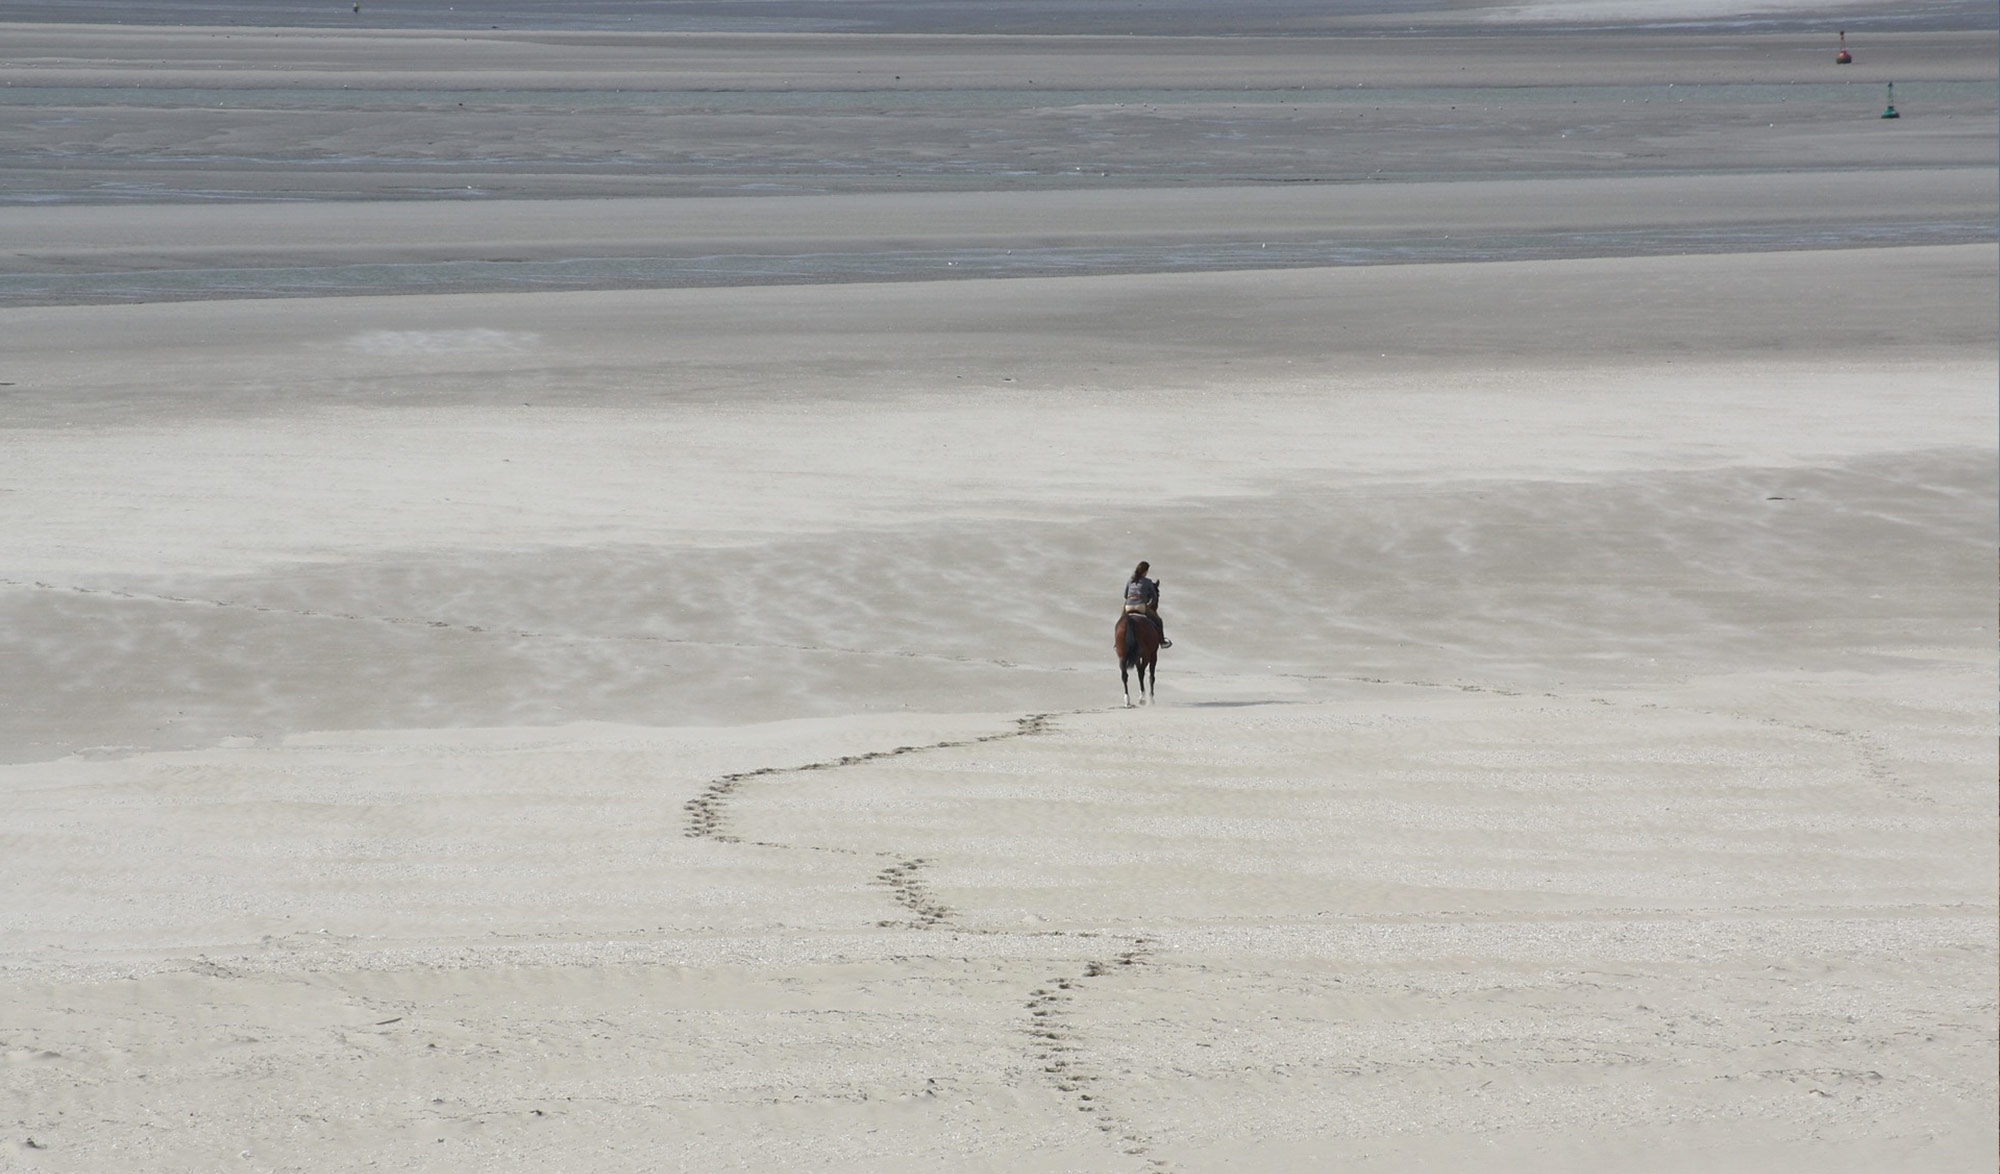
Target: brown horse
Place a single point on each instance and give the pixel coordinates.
(1136, 640)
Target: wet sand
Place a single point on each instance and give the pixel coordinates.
(617, 717)
(160, 252)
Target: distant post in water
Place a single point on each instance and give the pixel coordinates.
(1843, 57)
(1890, 110)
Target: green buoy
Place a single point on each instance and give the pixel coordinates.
(1889, 111)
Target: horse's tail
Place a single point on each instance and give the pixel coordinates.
(1128, 652)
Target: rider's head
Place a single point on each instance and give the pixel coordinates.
(1139, 572)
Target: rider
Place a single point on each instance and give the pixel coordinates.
(1142, 597)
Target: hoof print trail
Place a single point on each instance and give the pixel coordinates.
(705, 810)
(707, 817)
(1063, 1063)
(908, 887)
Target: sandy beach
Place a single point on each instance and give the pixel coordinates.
(574, 635)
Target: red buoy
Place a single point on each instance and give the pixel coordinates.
(1843, 57)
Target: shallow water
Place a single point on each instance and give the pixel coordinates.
(1250, 16)
(1242, 17)
(120, 144)
(518, 120)
(786, 100)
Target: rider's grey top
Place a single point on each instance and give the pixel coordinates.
(1142, 591)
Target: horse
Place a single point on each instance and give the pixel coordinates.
(1137, 646)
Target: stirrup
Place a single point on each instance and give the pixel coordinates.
(1166, 643)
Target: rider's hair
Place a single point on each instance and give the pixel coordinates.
(1139, 572)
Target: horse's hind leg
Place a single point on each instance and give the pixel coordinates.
(1152, 680)
(1126, 636)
